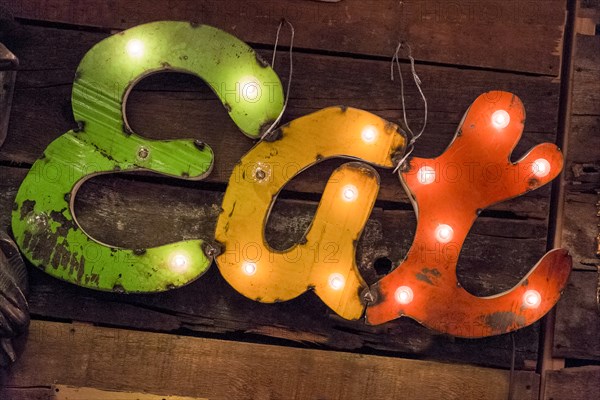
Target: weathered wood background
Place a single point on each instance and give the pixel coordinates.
(463, 48)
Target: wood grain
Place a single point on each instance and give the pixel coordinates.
(171, 106)
(580, 229)
(27, 393)
(577, 330)
(578, 319)
(581, 383)
(586, 68)
(509, 35)
(7, 84)
(119, 210)
(63, 392)
(583, 159)
(156, 363)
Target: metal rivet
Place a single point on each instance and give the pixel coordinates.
(143, 153)
(260, 174)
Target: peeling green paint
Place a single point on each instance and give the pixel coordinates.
(43, 220)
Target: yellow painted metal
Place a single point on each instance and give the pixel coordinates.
(325, 260)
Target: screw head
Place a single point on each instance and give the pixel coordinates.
(143, 153)
(260, 174)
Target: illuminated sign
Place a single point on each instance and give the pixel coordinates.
(44, 223)
(325, 260)
(448, 193)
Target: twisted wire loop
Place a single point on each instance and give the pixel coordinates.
(413, 138)
(289, 83)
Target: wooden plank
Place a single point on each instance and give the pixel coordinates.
(582, 175)
(583, 161)
(580, 229)
(593, 4)
(581, 383)
(41, 110)
(581, 226)
(63, 392)
(8, 74)
(26, 393)
(510, 35)
(136, 361)
(119, 210)
(209, 307)
(578, 319)
(513, 244)
(577, 326)
(586, 85)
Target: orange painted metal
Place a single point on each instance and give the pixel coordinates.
(448, 193)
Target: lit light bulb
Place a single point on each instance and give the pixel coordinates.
(426, 175)
(404, 295)
(135, 48)
(349, 193)
(541, 167)
(250, 89)
(179, 263)
(369, 134)
(444, 233)
(249, 268)
(500, 119)
(336, 281)
(532, 299)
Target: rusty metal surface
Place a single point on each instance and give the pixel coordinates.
(448, 193)
(325, 260)
(43, 220)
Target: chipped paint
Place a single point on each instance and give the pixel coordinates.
(428, 275)
(329, 245)
(504, 321)
(44, 223)
(438, 301)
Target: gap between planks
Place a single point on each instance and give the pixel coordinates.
(449, 32)
(80, 355)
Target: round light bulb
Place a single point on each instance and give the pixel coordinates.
(135, 48)
(336, 281)
(500, 119)
(541, 167)
(179, 263)
(404, 295)
(369, 134)
(532, 299)
(426, 175)
(249, 268)
(444, 233)
(250, 89)
(349, 193)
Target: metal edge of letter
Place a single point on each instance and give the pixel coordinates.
(44, 222)
(425, 286)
